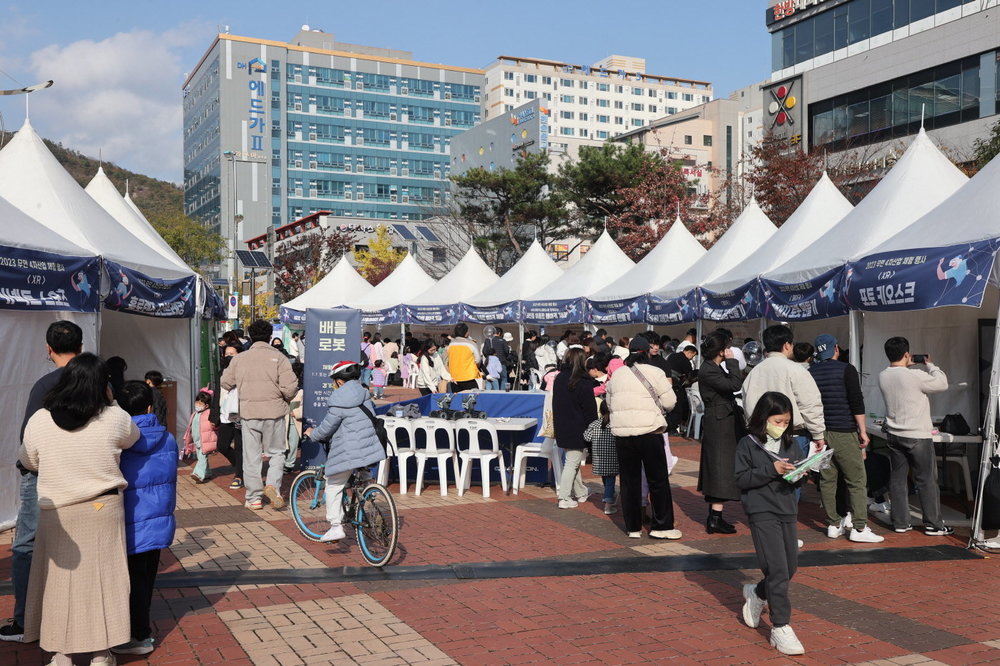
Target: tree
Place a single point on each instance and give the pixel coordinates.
(380, 259)
(658, 192)
(264, 308)
(595, 181)
(195, 244)
(506, 208)
(306, 259)
(986, 148)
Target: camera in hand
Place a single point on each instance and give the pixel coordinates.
(919, 358)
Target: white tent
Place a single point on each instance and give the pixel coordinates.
(33, 180)
(818, 212)
(405, 282)
(748, 235)
(24, 358)
(603, 263)
(468, 277)
(341, 287)
(676, 252)
(921, 179)
(533, 270)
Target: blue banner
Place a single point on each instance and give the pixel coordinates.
(498, 314)
(396, 315)
(817, 298)
(215, 305)
(629, 311)
(740, 304)
(136, 293)
(331, 336)
(921, 279)
(673, 311)
(289, 316)
(35, 280)
(434, 315)
(549, 313)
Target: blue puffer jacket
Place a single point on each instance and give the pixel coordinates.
(353, 442)
(150, 467)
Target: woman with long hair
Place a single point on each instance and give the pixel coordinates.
(429, 366)
(719, 378)
(78, 591)
(573, 409)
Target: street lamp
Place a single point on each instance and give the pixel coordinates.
(234, 272)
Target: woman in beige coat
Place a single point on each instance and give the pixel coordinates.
(78, 591)
(638, 394)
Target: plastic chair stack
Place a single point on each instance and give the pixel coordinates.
(546, 449)
(474, 432)
(438, 443)
(697, 413)
(400, 447)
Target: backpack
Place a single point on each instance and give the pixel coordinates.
(380, 431)
(365, 361)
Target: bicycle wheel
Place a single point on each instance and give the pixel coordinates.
(377, 525)
(308, 505)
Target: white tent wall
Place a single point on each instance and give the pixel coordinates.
(152, 343)
(24, 363)
(950, 336)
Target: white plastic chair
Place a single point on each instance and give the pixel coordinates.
(697, 413)
(393, 426)
(439, 443)
(955, 453)
(474, 431)
(411, 377)
(545, 449)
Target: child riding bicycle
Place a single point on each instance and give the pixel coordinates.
(352, 437)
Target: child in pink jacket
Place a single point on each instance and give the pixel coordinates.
(200, 437)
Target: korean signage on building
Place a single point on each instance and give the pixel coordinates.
(256, 120)
(785, 8)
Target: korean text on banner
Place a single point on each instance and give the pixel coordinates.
(134, 292)
(817, 298)
(35, 280)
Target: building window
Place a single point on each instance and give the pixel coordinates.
(566, 131)
(688, 97)
(603, 103)
(566, 115)
(508, 76)
(671, 110)
(638, 91)
(706, 140)
(530, 94)
(583, 132)
(530, 78)
(566, 83)
(652, 92)
(671, 95)
(546, 80)
(688, 140)
(705, 99)
(948, 94)
(558, 251)
(582, 100)
(508, 92)
(619, 120)
(583, 85)
(619, 89)
(566, 98)
(603, 87)
(439, 255)
(547, 96)
(602, 134)
(603, 119)
(584, 116)
(637, 122)
(652, 108)
(619, 104)
(636, 106)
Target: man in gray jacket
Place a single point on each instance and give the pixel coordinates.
(266, 384)
(778, 372)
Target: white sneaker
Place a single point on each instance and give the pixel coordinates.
(865, 536)
(335, 533)
(800, 543)
(847, 522)
(635, 535)
(665, 534)
(568, 504)
(785, 640)
(753, 606)
(834, 532)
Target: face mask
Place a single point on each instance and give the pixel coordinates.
(775, 431)
(200, 408)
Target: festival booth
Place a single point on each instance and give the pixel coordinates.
(43, 278)
(137, 279)
(384, 304)
(501, 302)
(678, 301)
(563, 301)
(806, 290)
(441, 305)
(341, 287)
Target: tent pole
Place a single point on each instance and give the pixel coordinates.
(854, 338)
(989, 439)
(697, 335)
(520, 356)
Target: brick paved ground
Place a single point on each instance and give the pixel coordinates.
(880, 613)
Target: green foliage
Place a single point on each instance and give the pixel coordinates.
(380, 259)
(195, 244)
(986, 148)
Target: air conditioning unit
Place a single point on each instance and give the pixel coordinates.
(437, 201)
(298, 106)
(298, 78)
(392, 198)
(405, 171)
(313, 165)
(393, 171)
(312, 136)
(361, 196)
(404, 91)
(447, 122)
(298, 164)
(313, 193)
(392, 116)
(437, 173)
(360, 168)
(447, 95)
(359, 141)
(360, 85)
(476, 99)
(348, 194)
(347, 167)
(406, 198)
(298, 191)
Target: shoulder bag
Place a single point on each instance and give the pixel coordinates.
(380, 431)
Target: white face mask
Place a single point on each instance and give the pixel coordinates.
(200, 408)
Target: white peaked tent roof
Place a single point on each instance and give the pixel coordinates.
(818, 212)
(967, 216)
(33, 180)
(469, 276)
(921, 179)
(407, 281)
(533, 270)
(746, 236)
(677, 251)
(104, 192)
(18, 229)
(342, 286)
(604, 263)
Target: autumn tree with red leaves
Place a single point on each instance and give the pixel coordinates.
(306, 259)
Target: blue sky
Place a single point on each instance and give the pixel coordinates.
(118, 66)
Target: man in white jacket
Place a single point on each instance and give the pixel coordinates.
(778, 372)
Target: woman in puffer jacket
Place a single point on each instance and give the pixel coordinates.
(638, 394)
(352, 437)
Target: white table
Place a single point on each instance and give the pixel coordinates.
(875, 427)
(513, 424)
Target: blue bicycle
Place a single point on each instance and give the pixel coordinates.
(368, 506)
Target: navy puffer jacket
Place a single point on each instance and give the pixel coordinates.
(353, 442)
(150, 468)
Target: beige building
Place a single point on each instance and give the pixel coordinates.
(588, 104)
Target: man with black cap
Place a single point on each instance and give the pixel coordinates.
(846, 433)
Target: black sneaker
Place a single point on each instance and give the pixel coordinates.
(903, 530)
(12, 631)
(944, 530)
